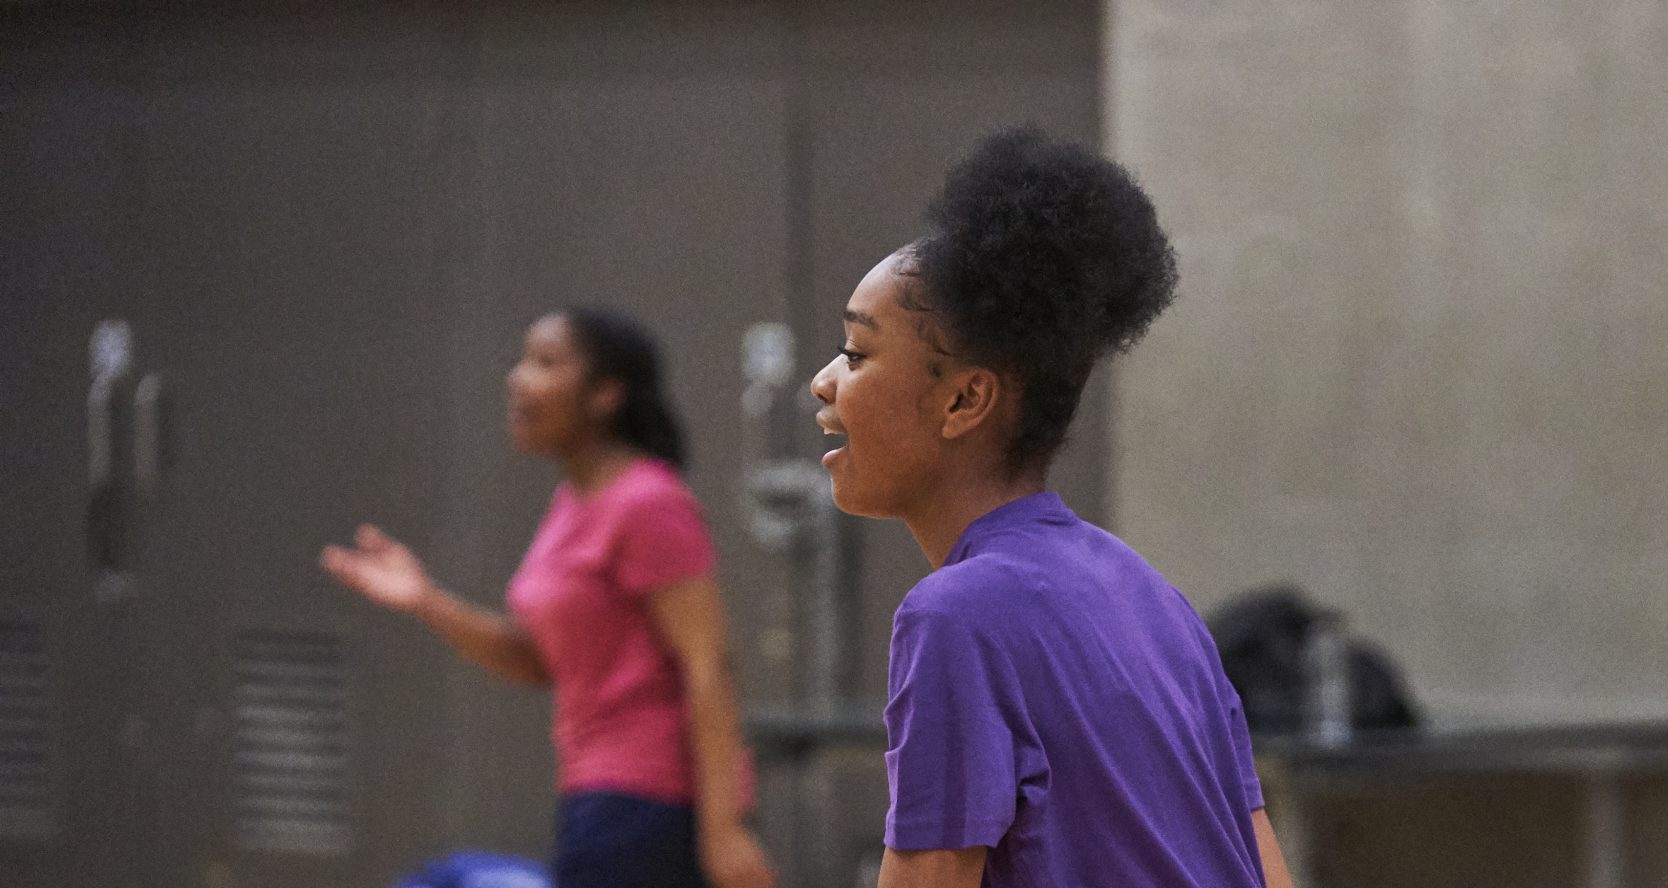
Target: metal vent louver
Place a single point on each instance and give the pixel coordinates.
(290, 752)
(28, 799)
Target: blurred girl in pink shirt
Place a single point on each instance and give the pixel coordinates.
(615, 606)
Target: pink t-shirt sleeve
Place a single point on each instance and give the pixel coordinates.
(661, 540)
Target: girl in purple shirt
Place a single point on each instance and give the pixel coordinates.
(1058, 714)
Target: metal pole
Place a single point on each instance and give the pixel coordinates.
(1605, 835)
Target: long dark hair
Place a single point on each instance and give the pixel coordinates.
(618, 348)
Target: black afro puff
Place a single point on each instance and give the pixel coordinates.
(1042, 257)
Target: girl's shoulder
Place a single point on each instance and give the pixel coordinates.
(981, 583)
(650, 483)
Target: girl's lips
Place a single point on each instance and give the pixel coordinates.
(830, 426)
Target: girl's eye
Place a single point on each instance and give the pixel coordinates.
(852, 357)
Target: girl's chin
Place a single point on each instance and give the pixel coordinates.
(851, 501)
(523, 441)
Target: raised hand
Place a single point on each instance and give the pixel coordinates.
(381, 569)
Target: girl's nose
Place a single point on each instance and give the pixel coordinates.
(822, 385)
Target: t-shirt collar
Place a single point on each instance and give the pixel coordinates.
(1038, 507)
(566, 490)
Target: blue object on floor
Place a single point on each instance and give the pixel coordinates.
(480, 869)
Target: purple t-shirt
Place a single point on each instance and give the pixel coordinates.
(1054, 699)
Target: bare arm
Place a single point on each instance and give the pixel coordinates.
(388, 573)
(690, 619)
(949, 868)
(488, 638)
(1274, 863)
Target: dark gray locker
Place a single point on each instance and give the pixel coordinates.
(631, 158)
(69, 726)
(294, 186)
(257, 203)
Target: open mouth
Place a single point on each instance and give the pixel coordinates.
(831, 428)
(520, 415)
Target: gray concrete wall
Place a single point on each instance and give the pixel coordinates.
(1420, 361)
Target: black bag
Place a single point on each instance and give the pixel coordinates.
(1262, 634)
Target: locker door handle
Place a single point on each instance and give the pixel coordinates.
(101, 436)
(151, 429)
(104, 498)
(110, 359)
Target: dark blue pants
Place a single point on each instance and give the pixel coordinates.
(613, 840)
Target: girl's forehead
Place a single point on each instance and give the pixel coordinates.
(878, 301)
(548, 331)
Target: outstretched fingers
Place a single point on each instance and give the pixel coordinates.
(340, 562)
(371, 538)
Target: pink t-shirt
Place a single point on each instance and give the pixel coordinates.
(582, 594)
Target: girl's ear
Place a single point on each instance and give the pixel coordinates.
(974, 396)
(606, 398)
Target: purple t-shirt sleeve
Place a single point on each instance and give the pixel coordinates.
(661, 540)
(1250, 786)
(950, 761)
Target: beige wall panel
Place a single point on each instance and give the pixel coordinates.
(1418, 364)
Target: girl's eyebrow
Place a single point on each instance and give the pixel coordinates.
(857, 317)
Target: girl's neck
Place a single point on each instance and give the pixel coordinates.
(591, 466)
(941, 522)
